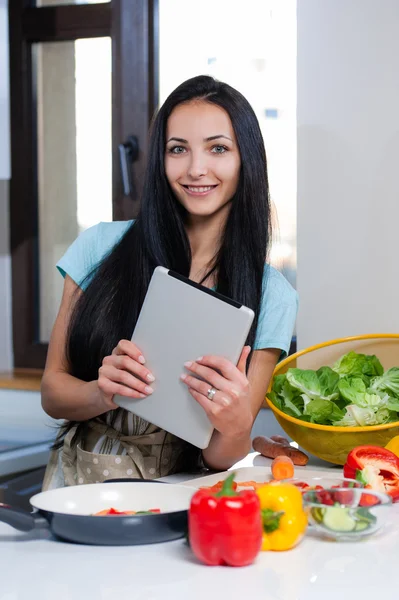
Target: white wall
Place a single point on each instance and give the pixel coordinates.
(348, 166)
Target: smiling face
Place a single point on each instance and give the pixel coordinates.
(202, 161)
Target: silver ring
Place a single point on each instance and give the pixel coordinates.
(211, 393)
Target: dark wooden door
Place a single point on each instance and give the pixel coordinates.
(133, 29)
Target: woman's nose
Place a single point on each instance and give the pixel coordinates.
(198, 166)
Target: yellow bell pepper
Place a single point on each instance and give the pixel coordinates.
(393, 445)
(284, 520)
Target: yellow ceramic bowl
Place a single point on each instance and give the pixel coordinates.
(334, 443)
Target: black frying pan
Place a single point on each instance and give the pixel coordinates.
(68, 513)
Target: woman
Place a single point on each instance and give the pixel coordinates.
(205, 213)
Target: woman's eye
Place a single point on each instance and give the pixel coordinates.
(177, 150)
(219, 149)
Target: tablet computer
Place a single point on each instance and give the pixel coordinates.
(179, 321)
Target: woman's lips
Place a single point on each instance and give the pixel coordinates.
(199, 190)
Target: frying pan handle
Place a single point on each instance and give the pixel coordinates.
(17, 518)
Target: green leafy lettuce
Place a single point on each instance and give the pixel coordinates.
(360, 365)
(354, 392)
(387, 382)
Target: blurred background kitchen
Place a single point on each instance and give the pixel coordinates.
(79, 83)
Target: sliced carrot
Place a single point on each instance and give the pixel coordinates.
(250, 484)
(246, 483)
(216, 487)
(282, 468)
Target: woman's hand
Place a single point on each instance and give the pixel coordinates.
(123, 373)
(229, 407)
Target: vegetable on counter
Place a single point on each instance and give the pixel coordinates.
(217, 487)
(341, 519)
(282, 467)
(225, 528)
(113, 512)
(393, 445)
(237, 487)
(283, 516)
(278, 446)
(303, 486)
(354, 392)
(376, 467)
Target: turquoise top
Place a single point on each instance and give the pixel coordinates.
(279, 299)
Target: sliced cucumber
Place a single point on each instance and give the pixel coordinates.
(362, 525)
(364, 514)
(318, 514)
(338, 518)
(364, 519)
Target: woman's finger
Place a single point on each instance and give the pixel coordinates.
(123, 377)
(110, 388)
(203, 388)
(127, 347)
(212, 409)
(218, 363)
(210, 376)
(125, 363)
(242, 363)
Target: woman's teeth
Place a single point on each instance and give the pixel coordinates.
(200, 189)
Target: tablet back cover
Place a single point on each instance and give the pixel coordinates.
(179, 322)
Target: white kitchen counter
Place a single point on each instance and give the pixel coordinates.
(35, 566)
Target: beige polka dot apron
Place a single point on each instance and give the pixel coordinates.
(106, 453)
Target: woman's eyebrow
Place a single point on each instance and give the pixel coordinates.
(215, 137)
(175, 139)
(208, 139)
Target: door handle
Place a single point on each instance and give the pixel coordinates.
(128, 154)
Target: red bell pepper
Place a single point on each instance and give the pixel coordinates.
(376, 467)
(225, 528)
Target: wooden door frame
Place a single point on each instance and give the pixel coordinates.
(134, 102)
(133, 27)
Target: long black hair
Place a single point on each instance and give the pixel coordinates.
(108, 309)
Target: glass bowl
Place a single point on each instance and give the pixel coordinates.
(346, 513)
